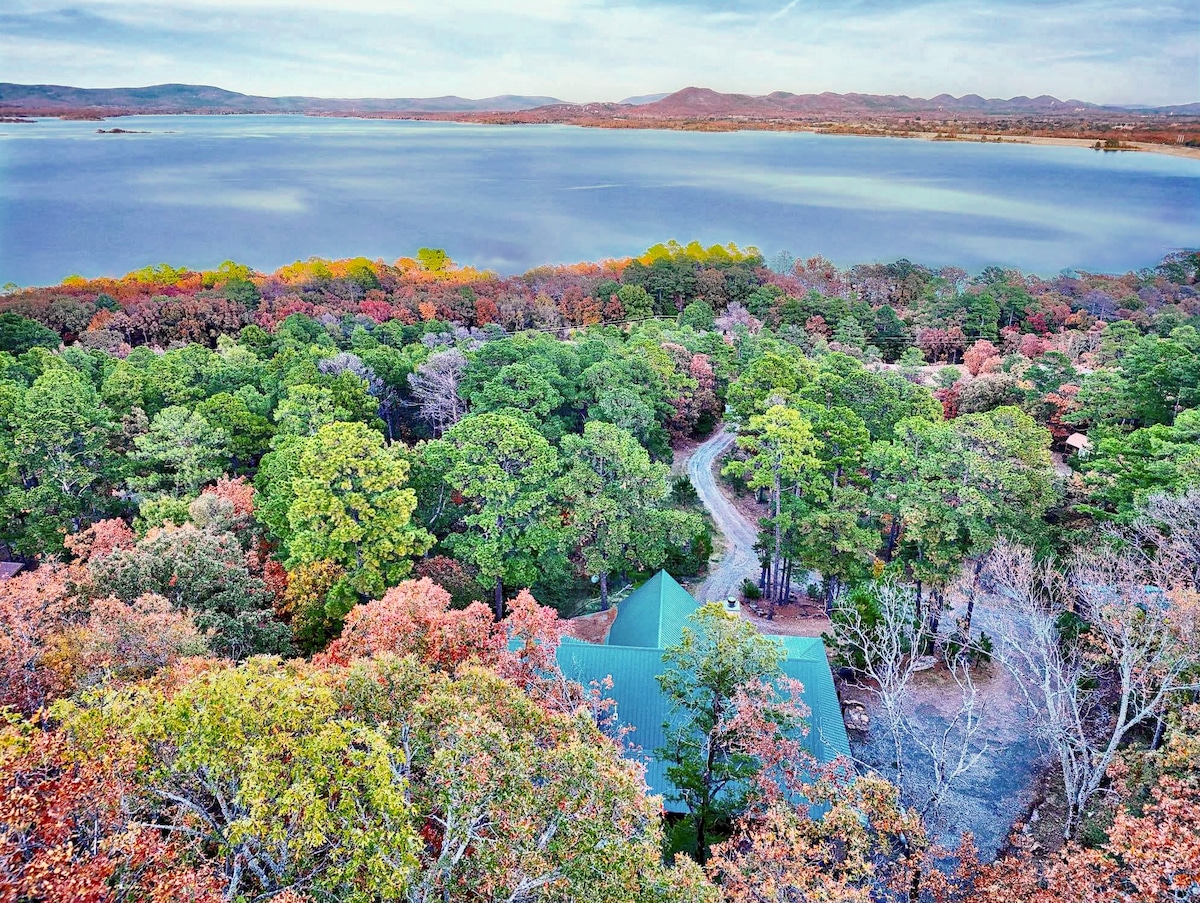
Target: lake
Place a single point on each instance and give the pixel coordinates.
(267, 190)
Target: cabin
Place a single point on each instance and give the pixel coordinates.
(647, 622)
(1078, 443)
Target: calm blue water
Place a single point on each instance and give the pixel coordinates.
(267, 190)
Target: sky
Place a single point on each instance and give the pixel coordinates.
(1102, 51)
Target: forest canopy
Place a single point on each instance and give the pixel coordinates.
(298, 549)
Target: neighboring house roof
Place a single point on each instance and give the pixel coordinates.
(652, 618)
(653, 615)
(1078, 440)
(10, 569)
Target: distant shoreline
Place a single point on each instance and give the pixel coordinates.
(863, 129)
(1171, 150)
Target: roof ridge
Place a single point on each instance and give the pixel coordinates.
(662, 601)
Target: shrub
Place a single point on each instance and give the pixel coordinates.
(683, 492)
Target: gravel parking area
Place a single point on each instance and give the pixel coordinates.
(1001, 787)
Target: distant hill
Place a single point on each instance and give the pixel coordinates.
(705, 102)
(644, 99)
(689, 103)
(1180, 109)
(205, 98)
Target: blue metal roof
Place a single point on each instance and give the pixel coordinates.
(657, 612)
(653, 615)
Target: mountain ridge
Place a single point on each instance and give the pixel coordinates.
(696, 101)
(184, 98)
(689, 102)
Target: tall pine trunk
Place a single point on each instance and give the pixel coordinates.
(604, 591)
(889, 548)
(776, 563)
(499, 598)
(935, 613)
(971, 598)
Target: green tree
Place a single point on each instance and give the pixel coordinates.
(699, 315)
(131, 385)
(1104, 400)
(306, 407)
(1009, 482)
(1115, 341)
(274, 493)
(848, 332)
(718, 657)
(981, 314)
(202, 572)
(1163, 378)
(1121, 470)
(1050, 372)
(54, 438)
(918, 477)
(619, 504)
(19, 334)
(832, 533)
(769, 380)
(949, 489)
(891, 335)
(180, 454)
(881, 399)
(781, 456)
(259, 765)
(506, 473)
(248, 432)
(183, 376)
(628, 393)
(433, 260)
(351, 505)
(520, 387)
(635, 302)
(828, 520)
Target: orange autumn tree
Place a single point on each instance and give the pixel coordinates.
(35, 608)
(862, 843)
(123, 641)
(64, 835)
(101, 538)
(415, 618)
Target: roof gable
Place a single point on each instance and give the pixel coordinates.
(654, 615)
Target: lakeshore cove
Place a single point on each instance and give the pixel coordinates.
(267, 189)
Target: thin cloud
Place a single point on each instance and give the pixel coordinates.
(1097, 50)
(779, 14)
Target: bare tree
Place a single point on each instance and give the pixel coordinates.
(1168, 530)
(883, 646)
(734, 316)
(348, 362)
(957, 747)
(1088, 690)
(435, 388)
(884, 643)
(388, 397)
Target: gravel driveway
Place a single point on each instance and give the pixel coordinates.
(739, 561)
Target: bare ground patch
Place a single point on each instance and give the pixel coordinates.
(1003, 786)
(791, 620)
